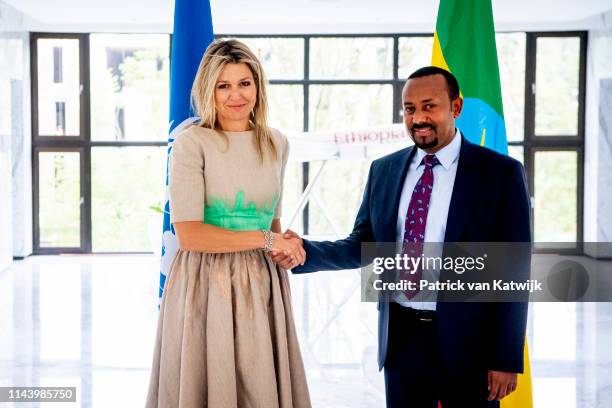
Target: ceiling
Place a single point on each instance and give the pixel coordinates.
(305, 16)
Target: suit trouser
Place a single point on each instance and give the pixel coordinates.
(415, 376)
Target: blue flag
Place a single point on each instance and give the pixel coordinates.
(193, 32)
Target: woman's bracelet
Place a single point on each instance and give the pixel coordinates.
(269, 239)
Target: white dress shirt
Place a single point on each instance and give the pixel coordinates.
(435, 228)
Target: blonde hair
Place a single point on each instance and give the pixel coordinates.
(218, 54)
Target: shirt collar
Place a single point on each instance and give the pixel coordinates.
(447, 155)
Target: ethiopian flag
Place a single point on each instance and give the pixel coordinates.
(464, 44)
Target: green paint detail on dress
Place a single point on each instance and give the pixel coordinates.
(241, 217)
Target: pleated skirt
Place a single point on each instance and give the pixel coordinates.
(226, 336)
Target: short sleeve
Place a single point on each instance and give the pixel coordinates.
(186, 185)
(284, 157)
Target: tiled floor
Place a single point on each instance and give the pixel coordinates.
(89, 321)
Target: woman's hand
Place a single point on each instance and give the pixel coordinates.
(289, 246)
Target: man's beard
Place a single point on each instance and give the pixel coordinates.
(424, 145)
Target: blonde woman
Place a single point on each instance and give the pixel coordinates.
(225, 336)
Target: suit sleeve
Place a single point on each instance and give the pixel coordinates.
(511, 318)
(344, 253)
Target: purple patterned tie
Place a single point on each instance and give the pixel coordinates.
(416, 219)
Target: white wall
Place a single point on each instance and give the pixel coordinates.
(15, 136)
(301, 16)
(598, 138)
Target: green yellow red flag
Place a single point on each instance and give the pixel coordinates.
(464, 44)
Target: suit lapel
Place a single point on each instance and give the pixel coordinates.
(461, 199)
(463, 192)
(397, 174)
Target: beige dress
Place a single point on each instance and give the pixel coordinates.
(226, 336)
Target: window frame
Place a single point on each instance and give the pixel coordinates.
(82, 142)
(530, 143)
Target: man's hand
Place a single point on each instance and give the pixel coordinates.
(284, 260)
(501, 384)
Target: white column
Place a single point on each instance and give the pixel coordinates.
(21, 153)
(15, 131)
(598, 141)
(6, 239)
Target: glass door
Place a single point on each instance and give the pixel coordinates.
(59, 212)
(60, 133)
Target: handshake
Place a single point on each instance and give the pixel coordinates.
(288, 250)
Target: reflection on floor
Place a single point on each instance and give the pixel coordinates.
(89, 321)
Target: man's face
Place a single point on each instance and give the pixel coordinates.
(429, 115)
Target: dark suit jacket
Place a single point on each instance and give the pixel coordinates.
(489, 203)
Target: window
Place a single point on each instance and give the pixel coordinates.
(100, 150)
(59, 192)
(356, 80)
(58, 79)
(129, 87)
(113, 108)
(554, 137)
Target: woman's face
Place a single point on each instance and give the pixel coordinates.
(235, 96)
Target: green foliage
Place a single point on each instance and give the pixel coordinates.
(59, 197)
(556, 181)
(557, 67)
(127, 183)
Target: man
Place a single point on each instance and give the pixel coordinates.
(461, 354)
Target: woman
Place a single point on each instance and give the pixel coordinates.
(225, 335)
